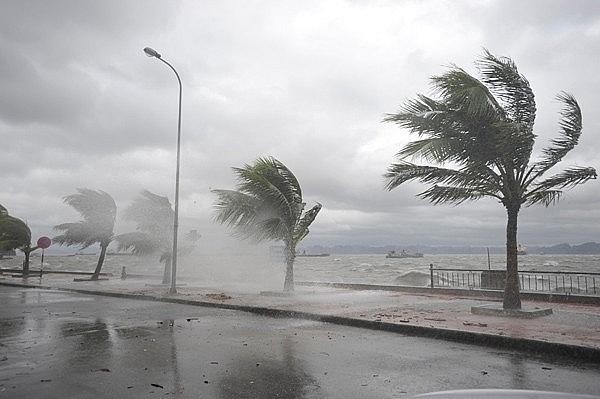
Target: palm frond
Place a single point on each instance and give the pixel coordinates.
(568, 178)
(432, 149)
(570, 131)
(474, 177)
(267, 204)
(270, 229)
(93, 205)
(544, 197)
(422, 115)
(449, 133)
(153, 215)
(77, 233)
(301, 229)
(271, 181)
(140, 243)
(465, 92)
(456, 195)
(236, 209)
(512, 88)
(402, 172)
(99, 212)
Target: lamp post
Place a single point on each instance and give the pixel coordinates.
(173, 290)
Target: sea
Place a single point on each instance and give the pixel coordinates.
(367, 268)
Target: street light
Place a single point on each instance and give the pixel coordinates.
(173, 290)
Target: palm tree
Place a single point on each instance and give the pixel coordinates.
(153, 216)
(480, 134)
(15, 234)
(99, 211)
(267, 206)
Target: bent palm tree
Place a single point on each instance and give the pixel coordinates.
(485, 129)
(267, 206)
(99, 211)
(15, 234)
(153, 216)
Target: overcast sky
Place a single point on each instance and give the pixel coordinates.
(307, 82)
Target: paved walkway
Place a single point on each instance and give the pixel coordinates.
(570, 324)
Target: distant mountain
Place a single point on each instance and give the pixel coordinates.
(588, 248)
(426, 249)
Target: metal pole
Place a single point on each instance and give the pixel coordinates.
(42, 265)
(173, 289)
(431, 274)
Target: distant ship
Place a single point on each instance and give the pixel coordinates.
(521, 250)
(304, 254)
(403, 254)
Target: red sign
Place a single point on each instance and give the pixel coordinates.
(44, 242)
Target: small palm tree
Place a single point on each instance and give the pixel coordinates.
(15, 234)
(153, 216)
(480, 133)
(99, 212)
(267, 206)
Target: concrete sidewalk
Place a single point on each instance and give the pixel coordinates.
(572, 330)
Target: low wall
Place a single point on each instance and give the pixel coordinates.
(533, 296)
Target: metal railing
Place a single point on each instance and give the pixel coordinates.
(580, 283)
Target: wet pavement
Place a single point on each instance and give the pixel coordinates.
(570, 324)
(55, 345)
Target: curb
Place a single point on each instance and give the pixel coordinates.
(581, 353)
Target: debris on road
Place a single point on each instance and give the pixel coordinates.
(468, 323)
(219, 297)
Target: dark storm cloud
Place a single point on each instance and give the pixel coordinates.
(307, 82)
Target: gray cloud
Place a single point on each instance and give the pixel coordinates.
(306, 82)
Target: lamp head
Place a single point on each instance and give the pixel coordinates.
(151, 52)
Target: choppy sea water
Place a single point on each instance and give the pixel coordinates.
(377, 269)
(368, 269)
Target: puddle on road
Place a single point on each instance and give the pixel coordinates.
(133, 332)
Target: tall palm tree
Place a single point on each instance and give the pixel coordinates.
(267, 205)
(99, 211)
(480, 134)
(15, 234)
(153, 216)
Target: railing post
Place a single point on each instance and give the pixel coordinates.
(431, 274)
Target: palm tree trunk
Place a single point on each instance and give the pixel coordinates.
(512, 299)
(167, 272)
(96, 274)
(290, 256)
(26, 263)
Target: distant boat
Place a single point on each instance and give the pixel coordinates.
(403, 254)
(521, 250)
(304, 254)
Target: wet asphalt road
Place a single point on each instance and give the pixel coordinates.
(63, 345)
